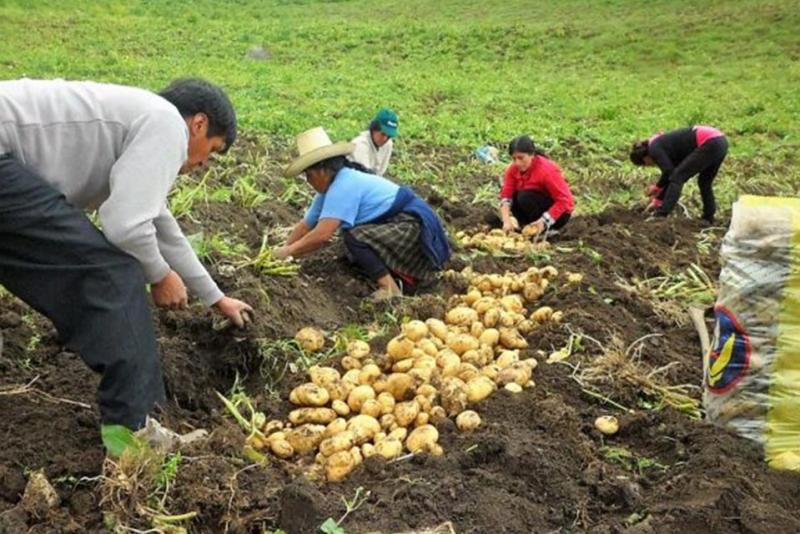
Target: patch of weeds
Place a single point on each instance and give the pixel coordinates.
(218, 244)
(630, 462)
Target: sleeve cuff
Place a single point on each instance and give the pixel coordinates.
(548, 219)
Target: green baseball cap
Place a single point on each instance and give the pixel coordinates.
(387, 120)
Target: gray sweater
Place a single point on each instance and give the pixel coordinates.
(112, 148)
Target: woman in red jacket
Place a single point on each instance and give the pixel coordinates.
(534, 190)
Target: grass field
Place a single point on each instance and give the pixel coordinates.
(591, 74)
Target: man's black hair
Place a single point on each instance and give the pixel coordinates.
(194, 95)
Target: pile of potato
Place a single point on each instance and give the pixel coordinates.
(499, 242)
(387, 404)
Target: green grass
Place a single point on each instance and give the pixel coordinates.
(586, 78)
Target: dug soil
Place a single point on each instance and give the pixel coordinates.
(537, 464)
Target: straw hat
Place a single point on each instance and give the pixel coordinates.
(313, 146)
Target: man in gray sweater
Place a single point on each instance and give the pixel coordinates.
(66, 147)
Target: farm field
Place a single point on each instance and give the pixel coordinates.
(585, 79)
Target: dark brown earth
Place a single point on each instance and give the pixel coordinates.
(536, 464)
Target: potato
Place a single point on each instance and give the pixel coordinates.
(380, 384)
(398, 433)
(399, 348)
(256, 442)
(348, 363)
(510, 338)
(607, 424)
(512, 303)
(276, 436)
(335, 427)
(403, 366)
(491, 371)
(428, 391)
(272, 426)
(454, 395)
(389, 448)
(358, 458)
(281, 448)
(406, 412)
(517, 372)
(506, 358)
(388, 421)
(513, 387)
(526, 326)
(339, 389)
(364, 427)
(339, 465)
(476, 329)
(343, 441)
(423, 402)
(437, 328)
(468, 420)
(437, 415)
(352, 376)
(358, 349)
(400, 385)
(309, 394)
(340, 407)
(557, 317)
(371, 407)
(415, 330)
(544, 284)
(461, 315)
(472, 357)
(310, 339)
(447, 359)
(369, 374)
(320, 416)
(491, 318)
(461, 343)
(549, 271)
(425, 362)
(422, 439)
(542, 315)
(386, 401)
(358, 396)
(467, 372)
(421, 375)
(479, 388)
(428, 347)
(531, 363)
(507, 319)
(472, 296)
(305, 438)
(484, 304)
(532, 292)
(380, 436)
(422, 419)
(490, 336)
(368, 450)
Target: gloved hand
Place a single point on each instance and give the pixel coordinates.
(653, 190)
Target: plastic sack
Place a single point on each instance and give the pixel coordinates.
(752, 374)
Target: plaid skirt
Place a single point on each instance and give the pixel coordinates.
(397, 243)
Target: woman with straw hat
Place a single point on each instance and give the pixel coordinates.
(389, 232)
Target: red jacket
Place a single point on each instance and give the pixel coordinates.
(544, 176)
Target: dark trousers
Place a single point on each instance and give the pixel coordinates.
(704, 161)
(529, 206)
(365, 257)
(53, 258)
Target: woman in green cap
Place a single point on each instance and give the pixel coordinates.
(374, 146)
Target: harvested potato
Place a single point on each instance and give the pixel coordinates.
(281, 448)
(339, 465)
(423, 402)
(380, 384)
(425, 362)
(484, 304)
(531, 363)
(400, 385)
(461, 343)
(517, 372)
(421, 375)
(359, 396)
(336, 426)
(542, 315)
(256, 442)
(428, 391)
(305, 438)
(372, 407)
(358, 349)
(437, 328)
(549, 271)
(399, 348)
(491, 318)
(461, 315)
(506, 358)
(364, 427)
(513, 387)
(467, 372)
(389, 448)
(388, 421)
(358, 458)
(272, 426)
(468, 420)
(490, 336)
(343, 441)
(398, 433)
(512, 303)
(348, 363)
(454, 395)
(447, 358)
(340, 407)
(310, 339)
(507, 319)
(403, 366)
(476, 329)
(574, 278)
(406, 412)
(472, 357)
(369, 374)
(352, 376)
(279, 435)
(380, 436)
(368, 450)
(479, 388)
(526, 326)
(422, 439)
(437, 415)
(320, 416)
(471, 297)
(491, 371)
(386, 401)
(510, 338)
(607, 424)
(339, 389)
(557, 317)
(309, 394)
(415, 330)
(422, 419)
(428, 347)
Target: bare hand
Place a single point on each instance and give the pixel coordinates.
(170, 292)
(238, 312)
(282, 253)
(539, 225)
(510, 225)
